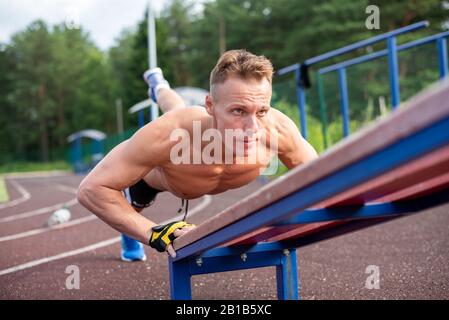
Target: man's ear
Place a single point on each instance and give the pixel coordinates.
(209, 105)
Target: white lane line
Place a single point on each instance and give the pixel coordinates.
(37, 174)
(74, 222)
(59, 256)
(204, 203)
(40, 211)
(66, 188)
(46, 229)
(25, 195)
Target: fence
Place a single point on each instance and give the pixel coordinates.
(350, 93)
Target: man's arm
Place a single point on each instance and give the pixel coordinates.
(293, 150)
(101, 190)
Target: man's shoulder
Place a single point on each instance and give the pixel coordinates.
(189, 113)
(175, 119)
(278, 115)
(281, 121)
(185, 117)
(193, 112)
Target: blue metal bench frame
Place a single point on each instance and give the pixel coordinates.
(282, 254)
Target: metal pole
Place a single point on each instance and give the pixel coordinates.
(394, 72)
(119, 110)
(344, 104)
(322, 106)
(152, 57)
(141, 118)
(154, 111)
(442, 57)
(301, 96)
(152, 54)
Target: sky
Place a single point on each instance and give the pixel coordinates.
(103, 19)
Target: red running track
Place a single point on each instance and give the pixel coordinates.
(411, 252)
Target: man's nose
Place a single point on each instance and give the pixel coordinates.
(251, 126)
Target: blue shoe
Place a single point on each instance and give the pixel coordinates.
(155, 80)
(132, 250)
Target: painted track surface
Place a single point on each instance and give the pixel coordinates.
(412, 254)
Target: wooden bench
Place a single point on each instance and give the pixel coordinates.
(396, 166)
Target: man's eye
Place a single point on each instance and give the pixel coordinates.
(237, 111)
(262, 112)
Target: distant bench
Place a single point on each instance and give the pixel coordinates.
(396, 166)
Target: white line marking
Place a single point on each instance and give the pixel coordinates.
(71, 223)
(59, 256)
(46, 229)
(66, 188)
(36, 174)
(206, 201)
(40, 211)
(25, 196)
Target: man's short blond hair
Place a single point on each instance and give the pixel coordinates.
(242, 64)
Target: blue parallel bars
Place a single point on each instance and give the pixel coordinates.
(344, 100)
(439, 38)
(442, 56)
(354, 46)
(141, 118)
(391, 51)
(381, 53)
(393, 69)
(301, 96)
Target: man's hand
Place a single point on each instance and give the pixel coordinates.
(163, 235)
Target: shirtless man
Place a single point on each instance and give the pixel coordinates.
(130, 176)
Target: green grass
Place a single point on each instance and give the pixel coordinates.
(4, 196)
(34, 166)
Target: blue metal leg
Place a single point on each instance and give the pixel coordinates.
(344, 103)
(393, 71)
(180, 286)
(141, 118)
(301, 96)
(287, 276)
(442, 57)
(237, 258)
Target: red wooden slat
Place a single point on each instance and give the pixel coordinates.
(419, 189)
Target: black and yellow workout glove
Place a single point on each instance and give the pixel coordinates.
(163, 235)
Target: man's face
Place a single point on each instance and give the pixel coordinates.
(240, 105)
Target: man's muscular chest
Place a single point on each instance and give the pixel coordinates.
(192, 181)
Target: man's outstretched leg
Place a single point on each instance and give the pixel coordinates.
(160, 92)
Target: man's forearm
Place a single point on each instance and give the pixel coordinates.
(112, 207)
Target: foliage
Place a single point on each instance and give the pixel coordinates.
(55, 81)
